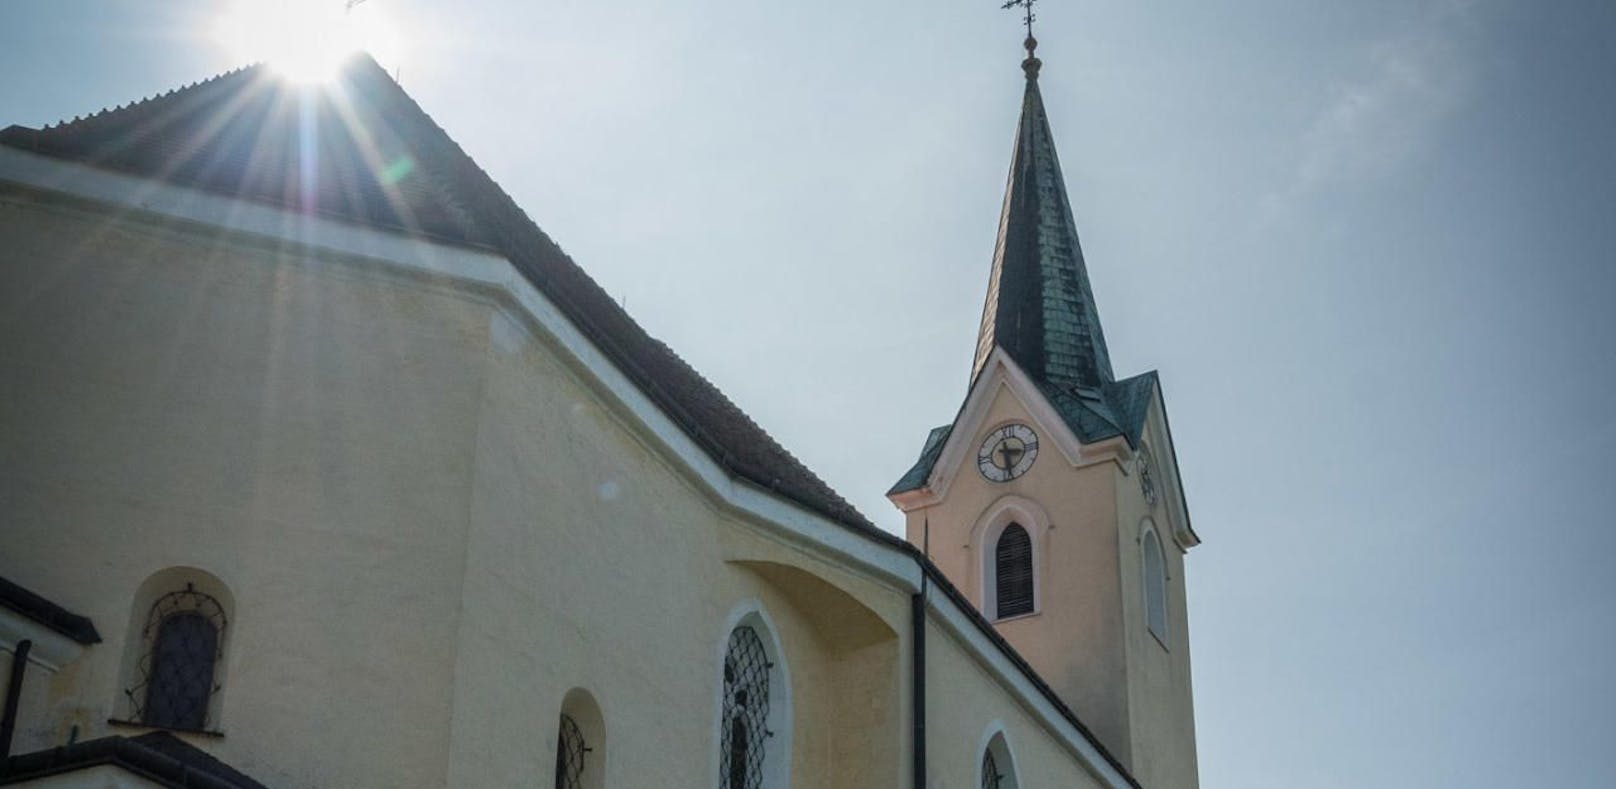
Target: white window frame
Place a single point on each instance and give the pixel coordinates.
(997, 740)
(985, 539)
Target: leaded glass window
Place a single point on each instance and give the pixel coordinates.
(1012, 572)
(184, 634)
(745, 710)
(990, 771)
(570, 750)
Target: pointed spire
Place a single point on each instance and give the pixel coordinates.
(1040, 307)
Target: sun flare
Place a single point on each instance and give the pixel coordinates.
(305, 40)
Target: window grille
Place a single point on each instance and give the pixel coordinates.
(184, 638)
(1012, 563)
(990, 771)
(570, 750)
(745, 711)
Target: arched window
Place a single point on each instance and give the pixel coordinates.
(184, 640)
(998, 767)
(1012, 572)
(1155, 586)
(744, 732)
(570, 754)
(991, 777)
(580, 755)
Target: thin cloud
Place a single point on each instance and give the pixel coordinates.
(1394, 100)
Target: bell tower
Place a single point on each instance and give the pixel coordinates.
(1053, 499)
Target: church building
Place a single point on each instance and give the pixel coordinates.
(322, 465)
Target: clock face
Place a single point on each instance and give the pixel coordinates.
(1147, 478)
(1007, 453)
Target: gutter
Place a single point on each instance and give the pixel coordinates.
(8, 719)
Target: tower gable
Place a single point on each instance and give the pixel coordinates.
(952, 448)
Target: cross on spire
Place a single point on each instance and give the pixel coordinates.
(1027, 15)
(1031, 64)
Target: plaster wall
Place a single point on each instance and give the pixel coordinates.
(302, 430)
(965, 703)
(433, 522)
(1161, 701)
(1075, 638)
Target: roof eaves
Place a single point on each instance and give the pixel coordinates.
(158, 757)
(75, 626)
(917, 474)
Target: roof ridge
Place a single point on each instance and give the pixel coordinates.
(507, 216)
(144, 104)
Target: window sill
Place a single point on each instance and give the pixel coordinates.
(117, 722)
(1016, 617)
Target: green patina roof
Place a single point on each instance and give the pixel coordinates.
(1040, 306)
(1119, 409)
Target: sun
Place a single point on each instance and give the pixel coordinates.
(305, 40)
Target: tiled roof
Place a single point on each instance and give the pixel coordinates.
(74, 626)
(1040, 306)
(374, 157)
(158, 757)
(417, 180)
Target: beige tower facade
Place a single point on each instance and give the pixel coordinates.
(1053, 499)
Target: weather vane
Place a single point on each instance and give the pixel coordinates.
(1027, 15)
(1031, 64)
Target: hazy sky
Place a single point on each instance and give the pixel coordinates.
(1370, 245)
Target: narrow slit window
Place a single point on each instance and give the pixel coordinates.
(1155, 587)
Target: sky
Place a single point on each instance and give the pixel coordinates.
(1370, 246)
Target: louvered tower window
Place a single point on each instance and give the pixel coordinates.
(745, 710)
(570, 750)
(1012, 572)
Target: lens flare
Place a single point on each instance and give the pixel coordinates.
(305, 40)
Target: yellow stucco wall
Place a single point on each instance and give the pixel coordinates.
(1161, 715)
(433, 523)
(1075, 638)
(1088, 637)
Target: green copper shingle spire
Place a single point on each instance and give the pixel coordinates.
(1040, 307)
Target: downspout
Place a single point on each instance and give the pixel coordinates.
(917, 652)
(917, 692)
(8, 720)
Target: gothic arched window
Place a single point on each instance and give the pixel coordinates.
(991, 776)
(744, 732)
(1155, 586)
(1012, 572)
(570, 750)
(998, 768)
(184, 638)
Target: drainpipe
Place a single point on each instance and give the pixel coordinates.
(917, 639)
(8, 720)
(917, 691)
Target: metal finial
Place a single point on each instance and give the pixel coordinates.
(1027, 15)
(1032, 63)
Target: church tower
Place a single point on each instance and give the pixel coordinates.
(1053, 499)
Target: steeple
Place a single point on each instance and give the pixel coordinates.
(1040, 307)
